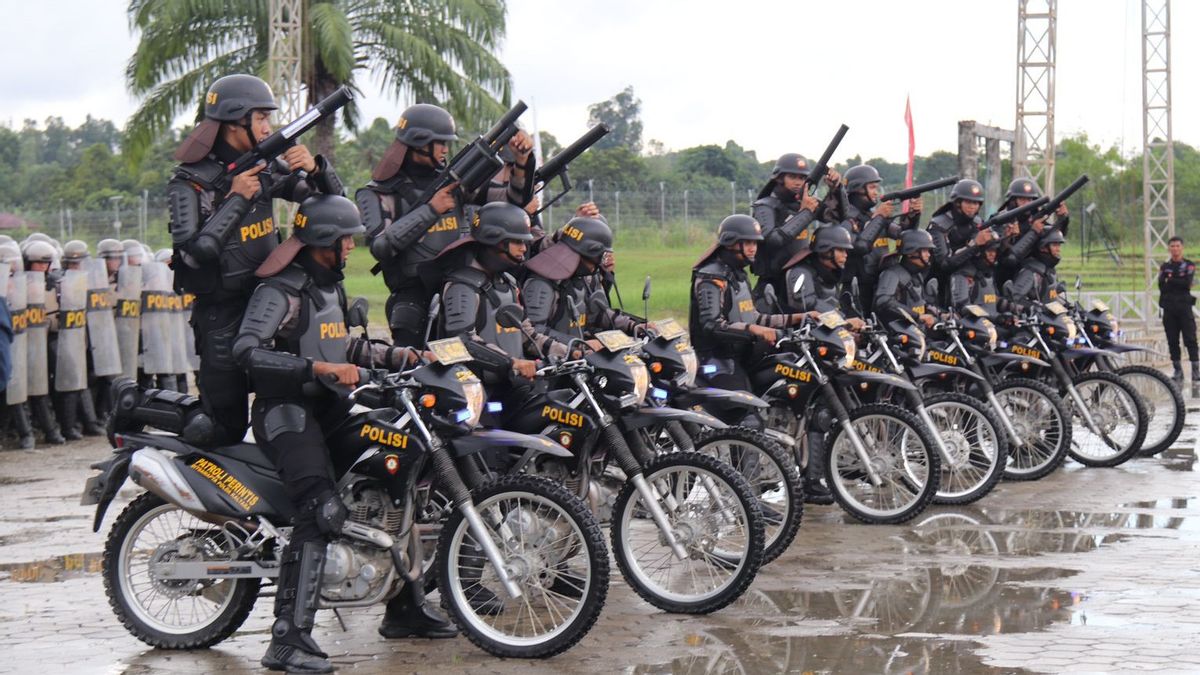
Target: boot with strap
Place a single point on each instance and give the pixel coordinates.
(815, 490)
(408, 615)
(292, 647)
(87, 414)
(1195, 372)
(19, 415)
(43, 417)
(1177, 376)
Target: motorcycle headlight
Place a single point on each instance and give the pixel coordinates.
(851, 350)
(1071, 331)
(919, 346)
(641, 380)
(473, 391)
(993, 336)
(691, 365)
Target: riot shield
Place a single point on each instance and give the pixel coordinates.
(179, 329)
(129, 317)
(18, 378)
(189, 335)
(37, 334)
(101, 324)
(157, 351)
(70, 362)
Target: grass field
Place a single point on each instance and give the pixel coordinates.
(668, 260)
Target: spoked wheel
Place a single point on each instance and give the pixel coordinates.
(975, 444)
(1164, 406)
(902, 455)
(1119, 415)
(1041, 420)
(772, 475)
(713, 515)
(172, 613)
(969, 572)
(552, 548)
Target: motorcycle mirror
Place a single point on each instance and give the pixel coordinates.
(798, 285)
(597, 302)
(769, 295)
(646, 289)
(356, 313)
(931, 288)
(1078, 282)
(510, 316)
(574, 308)
(1008, 286)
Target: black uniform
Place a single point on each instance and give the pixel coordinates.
(953, 240)
(1037, 282)
(219, 241)
(721, 312)
(786, 231)
(1175, 298)
(901, 289)
(873, 237)
(405, 235)
(974, 283)
(821, 290)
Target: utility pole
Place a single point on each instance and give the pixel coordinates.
(1158, 152)
(1033, 151)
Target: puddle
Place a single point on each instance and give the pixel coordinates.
(53, 569)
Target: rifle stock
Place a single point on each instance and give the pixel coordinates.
(822, 166)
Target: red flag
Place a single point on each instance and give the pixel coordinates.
(912, 146)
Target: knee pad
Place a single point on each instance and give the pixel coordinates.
(407, 321)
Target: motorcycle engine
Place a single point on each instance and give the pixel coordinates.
(354, 571)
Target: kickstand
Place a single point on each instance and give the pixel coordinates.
(338, 614)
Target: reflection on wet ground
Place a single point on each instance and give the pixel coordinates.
(53, 569)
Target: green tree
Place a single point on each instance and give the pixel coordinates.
(622, 114)
(438, 51)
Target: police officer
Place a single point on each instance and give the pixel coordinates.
(76, 409)
(956, 229)
(39, 254)
(723, 321)
(901, 288)
(221, 233)
(871, 225)
(821, 266)
(294, 333)
(1175, 279)
(786, 211)
(13, 400)
(1037, 282)
(113, 254)
(405, 234)
(974, 281)
(1023, 236)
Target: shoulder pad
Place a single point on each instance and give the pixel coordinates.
(389, 185)
(291, 279)
(205, 172)
(941, 221)
(469, 276)
(714, 268)
(770, 201)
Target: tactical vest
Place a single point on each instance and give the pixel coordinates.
(568, 289)
(737, 303)
(958, 234)
(449, 228)
(320, 331)
(494, 293)
(910, 291)
(825, 289)
(982, 289)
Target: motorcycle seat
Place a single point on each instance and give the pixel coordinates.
(245, 452)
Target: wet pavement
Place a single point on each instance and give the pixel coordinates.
(1089, 570)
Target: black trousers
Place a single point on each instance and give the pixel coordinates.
(224, 388)
(1180, 321)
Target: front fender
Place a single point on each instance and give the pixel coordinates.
(102, 487)
(924, 370)
(1084, 352)
(856, 376)
(727, 397)
(486, 439)
(998, 358)
(644, 417)
(1120, 348)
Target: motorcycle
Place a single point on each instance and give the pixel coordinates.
(183, 563)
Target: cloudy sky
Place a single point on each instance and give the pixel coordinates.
(775, 76)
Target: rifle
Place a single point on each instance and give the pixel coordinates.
(916, 190)
(1005, 217)
(278, 142)
(1052, 205)
(822, 166)
(556, 166)
(475, 164)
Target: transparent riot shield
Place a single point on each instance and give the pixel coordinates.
(129, 317)
(189, 335)
(18, 379)
(157, 297)
(179, 329)
(37, 334)
(70, 358)
(101, 324)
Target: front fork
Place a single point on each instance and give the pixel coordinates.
(843, 417)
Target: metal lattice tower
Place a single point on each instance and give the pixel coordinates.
(1033, 152)
(286, 58)
(1158, 152)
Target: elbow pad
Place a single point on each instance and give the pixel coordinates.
(277, 374)
(326, 181)
(371, 211)
(407, 229)
(184, 202)
(738, 335)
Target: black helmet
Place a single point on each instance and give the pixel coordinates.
(232, 97)
(1052, 236)
(791, 162)
(424, 123)
(324, 219)
(1023, 187)
(110, 248)
(913, 241)
(737, 228)
(830, 237)
(589, 237)
(858, 177)
(497, 222)
(75, 250)
(967, 189)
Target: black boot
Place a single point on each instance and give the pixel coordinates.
(43, 417)
(815, 490)
(19, 415)
(1178, 374)
(92, 426)
(292, 648)
(408, 615)
(68, 418)
(1195, 371)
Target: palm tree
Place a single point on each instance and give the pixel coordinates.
(439, 51)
